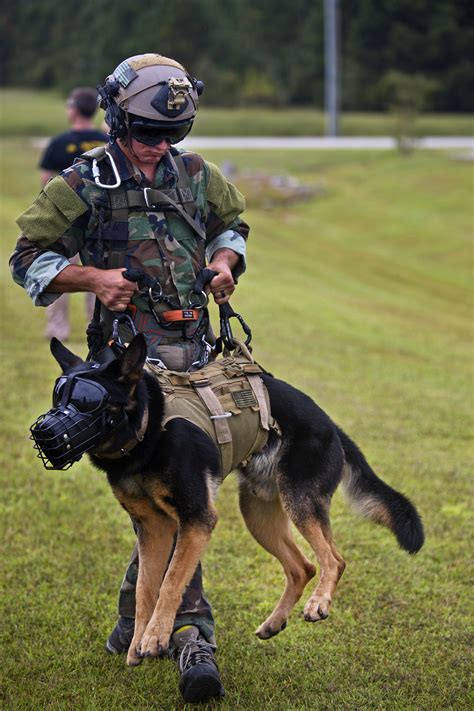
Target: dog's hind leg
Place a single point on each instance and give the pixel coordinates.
(270, 526)
(317, 532)
(310, 470)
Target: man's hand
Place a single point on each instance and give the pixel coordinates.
(223, 285)
(113, 290)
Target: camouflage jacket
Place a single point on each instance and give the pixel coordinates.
(72, 215)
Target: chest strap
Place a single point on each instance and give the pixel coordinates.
(121, 201)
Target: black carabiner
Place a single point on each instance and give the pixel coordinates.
(226, 312)
(118, 321)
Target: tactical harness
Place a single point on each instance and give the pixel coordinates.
(179, 200)
(121, 202)
(226, 399)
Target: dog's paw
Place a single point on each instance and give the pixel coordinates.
(270, 628)
(133, 658)
(153, 644)
(317, 609)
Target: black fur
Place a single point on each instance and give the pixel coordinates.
(294, 476)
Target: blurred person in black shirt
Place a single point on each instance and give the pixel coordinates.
(60, 153)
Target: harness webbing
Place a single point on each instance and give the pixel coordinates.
(179, 199)
(227, 399)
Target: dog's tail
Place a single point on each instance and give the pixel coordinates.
(378, 501)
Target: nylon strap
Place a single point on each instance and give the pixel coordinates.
(256, 384)
(221, 426)
(183, 183)
(122, 200)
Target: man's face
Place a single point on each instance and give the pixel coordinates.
(147, 154)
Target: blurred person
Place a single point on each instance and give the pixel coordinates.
(142, 204)
(60, 153)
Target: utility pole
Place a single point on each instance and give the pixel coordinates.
(331, 66)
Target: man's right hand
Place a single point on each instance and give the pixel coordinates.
(112, 289)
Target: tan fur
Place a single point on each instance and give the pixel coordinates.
(269, 524)
(160, 588)
(331, 566)
(190, 546)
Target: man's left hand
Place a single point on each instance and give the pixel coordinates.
(223, 285)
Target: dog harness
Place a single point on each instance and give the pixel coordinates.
(227, 399)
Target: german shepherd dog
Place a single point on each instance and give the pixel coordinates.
(169, 482)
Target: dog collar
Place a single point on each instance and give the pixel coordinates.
(126, 448)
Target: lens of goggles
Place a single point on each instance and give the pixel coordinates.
(85, 395)
(153, 135)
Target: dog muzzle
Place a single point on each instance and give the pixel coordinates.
(77, 422)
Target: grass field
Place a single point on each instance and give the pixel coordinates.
(362, 298)
(41, 113)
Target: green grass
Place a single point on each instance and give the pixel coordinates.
(41, 113)
(362, 298)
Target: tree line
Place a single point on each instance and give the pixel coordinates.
(248, 52)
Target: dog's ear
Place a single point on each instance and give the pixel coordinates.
(133, 359)
(63, 355)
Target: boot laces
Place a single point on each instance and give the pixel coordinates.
(195, 652)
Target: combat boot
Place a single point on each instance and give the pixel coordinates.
(121, 636)
(199, 675)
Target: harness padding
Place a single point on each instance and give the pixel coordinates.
(227, 399)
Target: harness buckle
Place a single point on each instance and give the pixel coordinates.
(200, 382)
(146, 192)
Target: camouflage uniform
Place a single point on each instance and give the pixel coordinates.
(73, 215)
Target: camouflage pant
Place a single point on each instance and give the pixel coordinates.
(194, 609)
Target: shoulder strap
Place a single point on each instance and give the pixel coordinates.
(183, 185)
(97, 154)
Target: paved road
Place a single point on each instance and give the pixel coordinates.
(317, 142)
(325, 143)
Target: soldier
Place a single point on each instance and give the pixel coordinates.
(60, 153)
(140, 203)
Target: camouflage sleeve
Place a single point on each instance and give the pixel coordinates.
(224, 227)
(53, 230)
(34, 269)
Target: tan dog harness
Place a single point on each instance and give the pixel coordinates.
(227, 399)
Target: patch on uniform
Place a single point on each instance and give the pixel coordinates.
(124, 74)
(244, 398)
(52, 213)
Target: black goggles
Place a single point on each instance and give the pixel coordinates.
(86, 396)
(153, 135)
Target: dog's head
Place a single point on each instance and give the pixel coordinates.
(92, 404)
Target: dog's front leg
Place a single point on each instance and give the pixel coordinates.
(190, 545)
(155, 539)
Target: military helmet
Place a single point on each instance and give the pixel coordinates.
(152, 90)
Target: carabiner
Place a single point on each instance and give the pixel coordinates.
(226, 312)
(96, 174)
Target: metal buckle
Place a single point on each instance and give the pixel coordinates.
(145, 193)
(201, 383)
